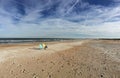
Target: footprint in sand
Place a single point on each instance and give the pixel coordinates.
(58, 71)
(19, 65)
(43, 70)
(23, 70)
(52, 63)
(11, 71)
(68, 63)
(62, 66)
(12, 63)
(101, 75)
(105, 68)
(35, 76)
(49, 76)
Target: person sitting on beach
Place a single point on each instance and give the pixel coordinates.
(43, 46)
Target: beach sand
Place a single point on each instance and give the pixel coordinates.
(67, 59)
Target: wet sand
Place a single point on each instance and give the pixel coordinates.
(70, 59)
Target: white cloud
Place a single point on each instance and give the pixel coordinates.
(97, 21)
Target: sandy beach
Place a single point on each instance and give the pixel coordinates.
(65, 59)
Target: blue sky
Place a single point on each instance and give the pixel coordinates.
(60, 18)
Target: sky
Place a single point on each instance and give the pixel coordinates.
(60, 18)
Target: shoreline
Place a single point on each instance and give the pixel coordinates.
(11, 50)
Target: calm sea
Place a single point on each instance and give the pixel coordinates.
(24, 40)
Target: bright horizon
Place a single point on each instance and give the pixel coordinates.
(59, 19)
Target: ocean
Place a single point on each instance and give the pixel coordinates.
(25, 40)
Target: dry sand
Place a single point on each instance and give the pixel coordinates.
(70, 59)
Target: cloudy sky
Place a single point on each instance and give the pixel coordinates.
(60, 18)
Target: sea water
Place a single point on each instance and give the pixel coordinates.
(24, 40)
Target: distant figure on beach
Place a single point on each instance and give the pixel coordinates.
(43, 46)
